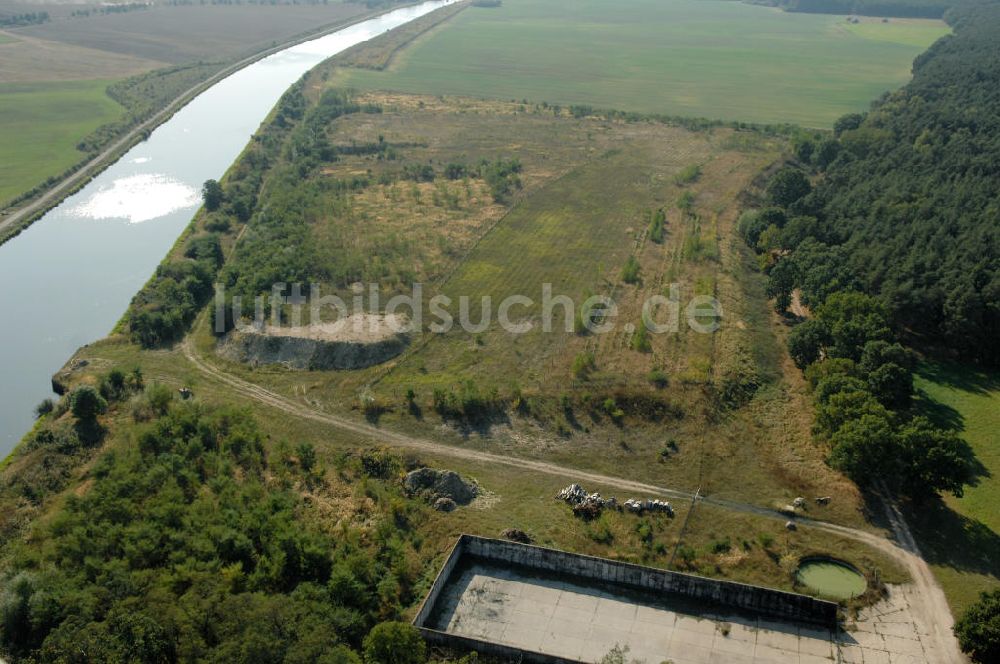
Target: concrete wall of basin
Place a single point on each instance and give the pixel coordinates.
(763, 601)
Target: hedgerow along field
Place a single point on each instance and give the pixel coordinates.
(704, 58)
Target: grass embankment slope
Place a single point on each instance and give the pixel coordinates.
(710, 59)
(962, 542)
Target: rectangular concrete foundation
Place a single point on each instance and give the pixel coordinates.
(535, 604)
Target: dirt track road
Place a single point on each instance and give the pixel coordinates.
(931, 611)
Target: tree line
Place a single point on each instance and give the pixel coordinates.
(900, 8)
(861, 378)
(21, 20)
(860, 374)
(906, 205)
(897, 241)
(164, 308)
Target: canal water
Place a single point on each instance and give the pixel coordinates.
(67, 279)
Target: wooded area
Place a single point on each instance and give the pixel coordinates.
(906, 208)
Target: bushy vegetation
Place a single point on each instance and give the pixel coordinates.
(469, 405)
(584, 364)
(164, 308)
(122, 8)
(906, 206)
(657, 223)
(142, 96)
(394, 643)
(502, 177)
(640, 339)
(194, 545)
(978, 630)
(688, 174)
(630, 271)
(70, 431)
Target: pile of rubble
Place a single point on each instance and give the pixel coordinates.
(654, 505)
(517, 535)
(443, 489)
(589, 505)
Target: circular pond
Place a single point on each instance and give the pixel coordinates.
(831, 578)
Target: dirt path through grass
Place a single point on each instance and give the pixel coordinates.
(928, 602)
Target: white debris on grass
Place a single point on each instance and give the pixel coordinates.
(578, 497)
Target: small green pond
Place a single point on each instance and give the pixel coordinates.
(831, 578)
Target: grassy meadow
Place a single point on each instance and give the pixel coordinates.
(706, 58)
(961, 537)
(42, 123)
(589, 187)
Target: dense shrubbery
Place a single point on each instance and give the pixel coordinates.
(657, 224)
(502, 177)
(906, 209)
(162, 311)
(469, 405)
(688, 174)
(978, 631)
(192, 546)
(630, 271)
(142, 96)
(68, 432)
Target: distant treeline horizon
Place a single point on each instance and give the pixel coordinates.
(888, 8)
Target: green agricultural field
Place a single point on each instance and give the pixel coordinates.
(42, 123)
(705, 58)
(53, 75)
(910, 32)
(182, 34)
(962, 541)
